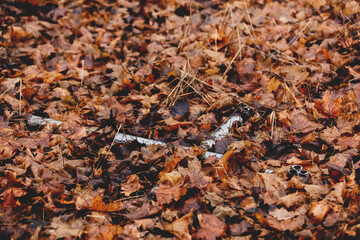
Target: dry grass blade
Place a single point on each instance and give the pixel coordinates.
(187, 81)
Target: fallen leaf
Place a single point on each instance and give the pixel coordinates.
(211, 227)
(330, 105)
(283, 214)
(80, 132)
(132, 185)
(166, 194)
(180, 227)
(292, 200)
(197, 177)
(318, 211)
(300, 123)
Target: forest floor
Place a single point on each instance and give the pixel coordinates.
(175, 71)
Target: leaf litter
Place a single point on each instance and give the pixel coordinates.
(175, 72)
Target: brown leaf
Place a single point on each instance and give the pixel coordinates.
(197, 177)
(318, 211)
(337, 194)
(147, 209)
(80, 132)
(225, 159)
(296, 74)
(273, 85)
(173, 124)
(7, 151)
(166, 194)
(218, 39)
(211, 227)
(292, 200)
(283, 214)
(338, 161)
(93, 200)
(330, 134)
(344, 143)
(274, 186)
(316, 191)
(63, 228)
(300, 123)
(218, 57)
(239, 228)
(132, 185)
(330, 104)
(283, 225)
(180, 227)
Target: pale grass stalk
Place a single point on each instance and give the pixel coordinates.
(82, 71)
(11, 87)
(297, 36)
(20, 97)
(251, 25)
(273, 124)
(297, 102)
(231, 62)
(113, 141)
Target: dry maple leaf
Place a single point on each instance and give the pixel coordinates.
(344, 143)
(218, 39)
(211, 227)
(318, 211)
(166, 194)
(274, 186)
(80, 132)
(291, 224)
(172, 124)
(225, 100)
(339, 161)
(292, 200)
(132, 185)
(197, 177)
(93, 200)
(300, 123)
(296, 74)
(330, 134)
(180, 227)
(66, 229)
(283, 214)
(316, 191)
(337, 194)
(147, 209)
(7, 151)
(330, 104)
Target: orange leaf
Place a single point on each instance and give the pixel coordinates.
(318, 211)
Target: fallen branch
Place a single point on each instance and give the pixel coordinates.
(124, 138)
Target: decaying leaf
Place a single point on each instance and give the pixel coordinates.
(292, 200)
(211, 227)
(300, 123)
(174, 71)
(166, 194)
(132, 185)
(180, 227)
(94, 201)
(318, 211)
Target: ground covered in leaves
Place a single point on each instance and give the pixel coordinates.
(175, 70)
